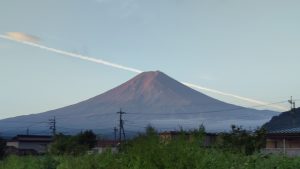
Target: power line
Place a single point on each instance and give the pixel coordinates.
(212, 111)
(53, 128)
(68, 116)
(41, 132)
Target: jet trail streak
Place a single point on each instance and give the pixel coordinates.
(233, 95)
(72, 54)
(99, 61)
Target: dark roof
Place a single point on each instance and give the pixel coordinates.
(284, 133)
(186, 133)
(171, 132)
(32, 138)
(107, 143)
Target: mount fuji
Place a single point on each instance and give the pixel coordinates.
(149, 98)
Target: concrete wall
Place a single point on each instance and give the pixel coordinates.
(13, 144)
(39, 147)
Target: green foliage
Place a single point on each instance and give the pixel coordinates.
(87, 138)
(73, 145)
(2, 148)
(28, 162)
(243, 141)
(48, 162)
(148, 152)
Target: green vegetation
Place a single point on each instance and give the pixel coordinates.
(2, 148)
(73, 145)
(148, 151)
(243, 141)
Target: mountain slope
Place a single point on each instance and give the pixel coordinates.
(286, 120)
(149, 98)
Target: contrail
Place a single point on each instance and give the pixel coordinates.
(233, 95)
(72, 54)
(87, 58)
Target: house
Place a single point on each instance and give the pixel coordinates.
(105, 145)
(209, 138)
(28, 144)
(283, 142)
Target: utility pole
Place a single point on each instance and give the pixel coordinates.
(293, 104)
(52, 127)
(27, 131)
(115, 132)
(293, 111)
(121, 126)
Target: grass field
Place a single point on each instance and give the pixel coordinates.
(149, 152)
(165, 158)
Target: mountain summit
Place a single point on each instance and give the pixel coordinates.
(154, 92)
(149, 98)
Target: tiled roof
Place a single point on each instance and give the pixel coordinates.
(107, 143)
(185, 132)
(32, 138)
(286, 131)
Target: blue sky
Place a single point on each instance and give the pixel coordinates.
(249, 48)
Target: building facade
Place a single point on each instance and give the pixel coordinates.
(35, 144)
(105, 145)
(285, 142)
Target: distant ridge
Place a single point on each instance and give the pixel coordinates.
(286, 120)
(148, 98)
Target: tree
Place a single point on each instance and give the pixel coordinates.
(87, 138)
(2, 147)
(244, 141)
(73, 145)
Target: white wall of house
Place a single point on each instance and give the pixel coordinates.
(101, 150)
(12, 144)
(40, 147)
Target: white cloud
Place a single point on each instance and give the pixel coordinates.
(69, 54)
(23, 37)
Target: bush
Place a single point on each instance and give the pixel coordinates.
(73, 145)
(243, 141)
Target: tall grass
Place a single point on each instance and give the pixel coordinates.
(183, 159)
(149, 152)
